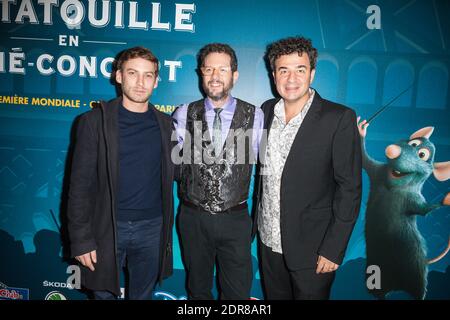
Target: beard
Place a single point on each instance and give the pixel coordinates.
(218, 95)
(133, 96)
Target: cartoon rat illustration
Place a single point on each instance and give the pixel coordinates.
(393, 241)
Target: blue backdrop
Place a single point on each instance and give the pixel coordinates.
(55, 60)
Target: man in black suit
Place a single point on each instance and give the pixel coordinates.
(120, 208)
(309, 187)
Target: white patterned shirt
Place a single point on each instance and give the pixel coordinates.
(281, 137)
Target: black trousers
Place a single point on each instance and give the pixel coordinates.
(222, 237)
(280, 283)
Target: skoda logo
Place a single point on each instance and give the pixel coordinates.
(55, 295)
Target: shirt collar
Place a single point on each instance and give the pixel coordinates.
(280, 112)
(229, 106)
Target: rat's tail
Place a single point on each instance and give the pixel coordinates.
(439, 257)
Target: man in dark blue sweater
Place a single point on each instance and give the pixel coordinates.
(119, 217)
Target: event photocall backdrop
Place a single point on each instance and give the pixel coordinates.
(55, 61)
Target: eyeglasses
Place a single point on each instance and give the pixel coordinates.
(208, 71)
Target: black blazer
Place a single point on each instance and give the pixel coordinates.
(320, 184)
(93, 190)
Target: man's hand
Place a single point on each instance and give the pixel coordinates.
(88, 259)
(324, 265)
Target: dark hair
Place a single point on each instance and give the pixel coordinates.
(291, 45)
(218, 48)
(136, 52)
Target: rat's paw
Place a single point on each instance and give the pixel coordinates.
(362, 127)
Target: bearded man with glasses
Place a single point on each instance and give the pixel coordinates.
(214, 221)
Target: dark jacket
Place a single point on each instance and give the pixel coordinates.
(320, 184)
(92, 204)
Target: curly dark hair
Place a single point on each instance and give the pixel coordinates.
(291, 45)
(136, 52)
(218, 48)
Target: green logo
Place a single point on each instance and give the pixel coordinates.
(55, 295)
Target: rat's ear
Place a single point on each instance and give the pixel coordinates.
(422, 133)
(441, 170)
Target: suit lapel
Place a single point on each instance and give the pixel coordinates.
(306, 130)
(165, 159)
(111, 112)
(269, 113)
(163, 129)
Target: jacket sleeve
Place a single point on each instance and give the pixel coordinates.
(346, 159)
(83, 178)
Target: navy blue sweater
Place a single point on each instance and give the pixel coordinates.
(139, 195)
